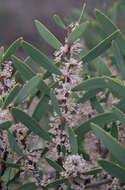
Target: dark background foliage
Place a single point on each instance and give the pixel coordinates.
(17, 16)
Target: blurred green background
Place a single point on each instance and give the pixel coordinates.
(17, 16)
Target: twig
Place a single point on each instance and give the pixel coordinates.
(98, 183)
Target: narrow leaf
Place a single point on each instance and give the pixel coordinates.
(82, 13)
(101, 119)
(44, 88)
(88, 95)
(113, 169)
(11, 96)
(58, 21)
(73, 141)
(55, 103)
(48, 36)
(119, 61)
(108, 27)
(6, 125)
(96, 105)
(30, 123)
(114, 133)
(100, 48)
(27, 186)
(40, 58)
(77, 32)
(28, 60)
(42, 108)
(55, 165)
(1, 53)
(9, 164)
(110, 143)
(121, 105)
(13, 144)
(9, 175)
(25, 71)
(12, 49)
(93, 171)
(119, 115)
(115, 86)
(101, 67)
(28, 88)
(114, 129)
(90, 37)
(56, 182)
(1, 102)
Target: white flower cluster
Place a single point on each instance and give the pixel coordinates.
(114, 185)
(74, 165)
(6, 81)
(72, 114)
(4, 115)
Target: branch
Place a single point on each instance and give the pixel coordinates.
(98, 183)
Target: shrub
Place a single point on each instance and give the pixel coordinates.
(78, 110)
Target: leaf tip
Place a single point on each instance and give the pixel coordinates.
(118, 30)
(92, 124)
(21, 40)
(54, 15)
(36, 21)
(95, 10)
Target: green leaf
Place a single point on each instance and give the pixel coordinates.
(25, 71)
(43, 87)
(55, 165)
(48, 36)
(119, 115)
(30, 123)
(28, 60)
(28, 88)
(96, 105)
(114, 12)
(11, 96)
(113, 169)
(40, 58)
(88, 95)
(12, 49)
(81, 149)
(114, 133)
(1, 53)
(82, 13)
(56, 182)
(115, 86)
(100, 48)
(27, 186)
(77, 32)
(73, 141)
(9, 175)
(93, 171)
(13, 144)
(108, 27)
(6, 125)
(12, 165)
(114, 130)
(90, 37)
(101, 119)
(58, 21)
(1, 102)
(101, 67)
(110, 143)
(121, 105)
(55, 103)
(42, 108)
(9, 164)
(119, 61)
